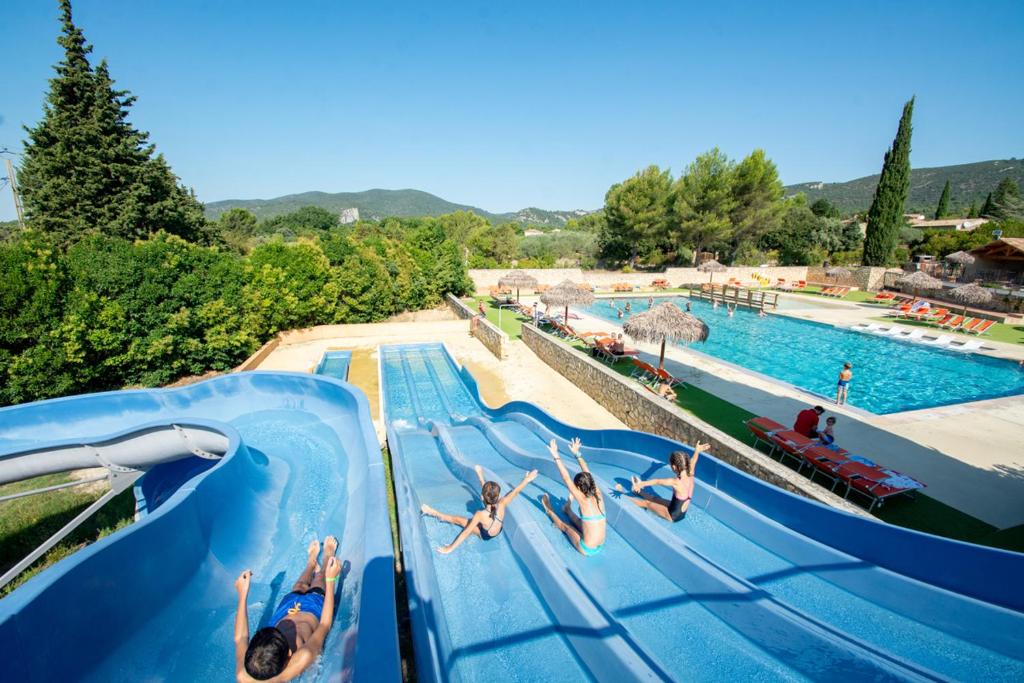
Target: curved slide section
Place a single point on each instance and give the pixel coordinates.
(155, 600)
(753, 560)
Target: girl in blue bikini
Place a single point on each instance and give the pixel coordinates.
(585, 531)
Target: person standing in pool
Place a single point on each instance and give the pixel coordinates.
(683, 466)
(689, 307)
(629, 307)
(619, 311)
(295, 635)
(585, 531)
(843, 387)
(486, 523)
(650, 301)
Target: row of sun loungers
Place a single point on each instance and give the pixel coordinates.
(835, 292)
(781, 283)
(943, 318)
(647, 374)
(854, 472)
(918, 335)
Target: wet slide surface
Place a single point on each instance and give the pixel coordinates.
(155, 601)
(729, 593)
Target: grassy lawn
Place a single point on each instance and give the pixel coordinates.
(1011, 334)
(921, 512)
(855, 295)
(511, 322)
(27, 522)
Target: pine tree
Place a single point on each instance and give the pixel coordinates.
(987, 207)
(885, 217)
(973, 211)
(60, 176)
(87, 169)
(942, 210)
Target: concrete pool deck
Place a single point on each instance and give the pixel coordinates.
(970, 455)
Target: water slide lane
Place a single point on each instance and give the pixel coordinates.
(472, 612)
(841, 592)
(810, 588)
(155, 601)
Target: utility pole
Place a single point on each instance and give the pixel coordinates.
(14, 190)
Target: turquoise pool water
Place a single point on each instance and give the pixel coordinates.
(335, 364)
(889, 376)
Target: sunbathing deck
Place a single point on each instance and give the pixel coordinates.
(971, 455)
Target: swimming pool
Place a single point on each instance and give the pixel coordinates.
(334, 364)
(889, 376)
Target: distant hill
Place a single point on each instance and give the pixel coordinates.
(377, 204)
(968, 183)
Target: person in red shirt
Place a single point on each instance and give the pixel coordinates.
(807, 422)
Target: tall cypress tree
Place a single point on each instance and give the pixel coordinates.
(885, 217)
(988, 207)
(86, 168)
(942, 210)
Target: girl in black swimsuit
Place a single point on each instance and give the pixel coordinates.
(486, 523)
(683, 465)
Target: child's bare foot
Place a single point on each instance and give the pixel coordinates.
(427, 510)
(636, 483)
(313, 551)
(546, 502)
(330, 546)
(618, 487)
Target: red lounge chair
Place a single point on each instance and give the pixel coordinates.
(800, 284)
(666, 376)
(981, 328)
(824, 460)
(870, 481)
(791, 443)
(762, 428)
(953, 323)
(970, 325)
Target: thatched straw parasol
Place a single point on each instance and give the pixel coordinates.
(919, 280)
(838, 272)
(712, 267)
(960, 259)
(567, 293)
(971, 295)
(517, 279)
(663, 322)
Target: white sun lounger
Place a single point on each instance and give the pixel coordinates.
(860, 327)
(942, 340)
(972, 345)
(913, 336)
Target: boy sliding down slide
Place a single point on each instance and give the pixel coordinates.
(296, 632)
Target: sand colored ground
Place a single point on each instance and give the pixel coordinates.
(971, 455)
(521, 377)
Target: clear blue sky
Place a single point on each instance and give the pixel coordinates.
(507, 105)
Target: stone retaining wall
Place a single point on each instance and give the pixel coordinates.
(603, 279)
(641, 410)
(868, 278)
(487, 332)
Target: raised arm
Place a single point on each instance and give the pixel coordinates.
(479, 474)
(698, 448)
(574, 448)
(553, 447)
(527, 478)
(463, 535)
(242, 620)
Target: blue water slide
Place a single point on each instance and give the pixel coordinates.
(155, 600)
(773, 579)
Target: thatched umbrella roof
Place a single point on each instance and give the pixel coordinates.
(961, 258)
(920, 280)
(838, 272)
(665, 322)
(712, 266)
(567, 293)
(517, 279)
(971, 295)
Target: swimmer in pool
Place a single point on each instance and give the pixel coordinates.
(585, 531)
(294, 636)
(683, 466)
(486, 523)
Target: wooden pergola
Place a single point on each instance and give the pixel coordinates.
(1003, 249)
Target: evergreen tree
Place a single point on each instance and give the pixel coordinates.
(637, 214)
(86, 168)
(973, 211)
(60, 176)
(1006, 200)
(942, 210)
(885, 217)
(987, 207)
(703, 201)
